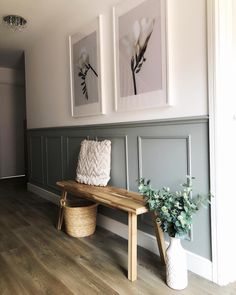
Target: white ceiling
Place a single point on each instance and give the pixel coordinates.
(41, 15)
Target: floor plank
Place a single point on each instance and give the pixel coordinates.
(35, 258)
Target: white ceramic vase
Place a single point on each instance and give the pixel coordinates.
(176, 265)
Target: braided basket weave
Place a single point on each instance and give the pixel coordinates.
(80, 218)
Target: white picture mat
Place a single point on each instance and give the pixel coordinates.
(152, 99)
(93, 108)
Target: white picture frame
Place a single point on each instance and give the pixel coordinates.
(86, 70)
(126, 12)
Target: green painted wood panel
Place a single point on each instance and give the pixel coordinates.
(164, 151)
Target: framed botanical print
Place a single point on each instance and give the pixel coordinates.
(140, 54)
(86, 70)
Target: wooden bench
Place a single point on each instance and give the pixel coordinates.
(116, 198)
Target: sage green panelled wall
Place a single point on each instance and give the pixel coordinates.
(163, 151)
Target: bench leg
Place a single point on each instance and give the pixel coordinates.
(132, 247)
(160, 239)
(61, 210)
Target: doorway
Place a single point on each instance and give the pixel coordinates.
(12, 115)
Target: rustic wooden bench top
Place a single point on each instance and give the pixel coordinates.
(113, 197)
(116, 198)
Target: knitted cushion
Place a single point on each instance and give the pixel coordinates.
(94, 162)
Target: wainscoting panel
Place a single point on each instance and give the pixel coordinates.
(72, 152)
(168, 161)
(36, 163)
(171, 154)
(54, 160)
(119, 160)
(164, 151)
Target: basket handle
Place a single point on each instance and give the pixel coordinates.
(63, 203)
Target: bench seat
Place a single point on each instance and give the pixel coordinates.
(117, 198)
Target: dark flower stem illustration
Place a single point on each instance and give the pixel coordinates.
(136, 44)
(84, 67)
(137, 63)
(133, 76)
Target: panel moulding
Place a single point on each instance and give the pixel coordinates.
(67, 149)
(125, 138)
(188, 157)
(46, 155)
(31, 160)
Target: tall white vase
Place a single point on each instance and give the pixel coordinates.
(176, 265)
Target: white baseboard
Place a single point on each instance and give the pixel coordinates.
(47, 195)
(12, 176)
(196, 263)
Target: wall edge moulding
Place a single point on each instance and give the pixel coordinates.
(86, 70)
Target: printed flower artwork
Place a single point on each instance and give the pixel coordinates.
(84, 66)
(140, 54)
(86, 85)
(136, 43)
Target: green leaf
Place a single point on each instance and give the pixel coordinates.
(174, 209)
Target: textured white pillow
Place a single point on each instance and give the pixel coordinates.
(94, 163)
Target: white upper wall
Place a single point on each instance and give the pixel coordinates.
(47, 67)
(234, 31)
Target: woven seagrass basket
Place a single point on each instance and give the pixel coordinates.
(80, 218)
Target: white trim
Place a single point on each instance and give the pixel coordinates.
(211, 106)
(221, 89)
(43, 193)
(13, 176)
(196, 263)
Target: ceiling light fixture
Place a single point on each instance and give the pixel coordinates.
(14, 22)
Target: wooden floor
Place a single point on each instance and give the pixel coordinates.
(35, 258)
